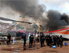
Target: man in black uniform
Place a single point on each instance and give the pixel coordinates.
(61, 41)
(42, 38)
(37, 39)
(24, 38)
(50, 41)
(8, 39)
(54, 38)
(58, 41)
(31, 38)
(46, 37)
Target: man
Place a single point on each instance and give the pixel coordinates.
(24, 38)
(38, 38)
(31, 39)
(54, 38)
(8, 39)
(46, 37)
(58, 41)
(61, 41)
(49, 41)
(42, 38)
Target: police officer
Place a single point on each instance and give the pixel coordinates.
(61, 41)
(8, 39)
(42, 38)
(50, 41)
(54, 38)
(58, 41)
(38, 38)
(24, 38)
(46, 37)
(31, 39)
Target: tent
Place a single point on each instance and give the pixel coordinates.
(57, 30)
(64, 32)
(17, 33)
(21, 31)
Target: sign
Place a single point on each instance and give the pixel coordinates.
(5, 27)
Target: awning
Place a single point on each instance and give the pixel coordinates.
(57, 30)
(21, 31)
(63, 32)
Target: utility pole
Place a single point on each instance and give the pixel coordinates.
(39, 28)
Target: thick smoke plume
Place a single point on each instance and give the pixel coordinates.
(32, 9)
(25, 7)
(54, 20)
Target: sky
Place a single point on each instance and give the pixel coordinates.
(61, 6)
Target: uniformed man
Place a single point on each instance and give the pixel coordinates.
(50, 41)
(61, 41)
(8, 39)
(24, 38)
(46, 37)
(58, 41)
(31, 39)
(42, 38)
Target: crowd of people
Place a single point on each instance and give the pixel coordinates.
(44, 40)
(53, 40)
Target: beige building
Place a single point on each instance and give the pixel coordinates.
(23, 26)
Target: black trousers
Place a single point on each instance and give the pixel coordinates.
(8, 42)
(37, 40)
(61, 44)
(24, 45)
(47, 43)
(58, 44)
(50, 44)
(54, 43)
(30, 43)
(42, 43)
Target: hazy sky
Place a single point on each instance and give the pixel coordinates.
(60, 5)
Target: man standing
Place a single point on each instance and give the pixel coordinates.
(49, 41)
(24, 38)
(8, 39)
(61, 41)
(42, 38)
(46, 37)
(58, 41)
(31, 39)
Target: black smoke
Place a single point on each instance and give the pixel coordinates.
(25, 7)
(65, 17)
(55, 20)
(32, 9)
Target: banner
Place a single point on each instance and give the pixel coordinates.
(5, 27)
(57, 30)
